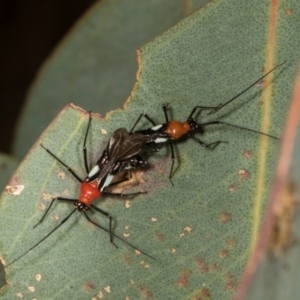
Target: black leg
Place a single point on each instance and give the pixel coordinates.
(110, 220)
(164, 106)
(123, 195)
(114, 235)
(139, 118)
(173, 160)
(61, 223)
(128, 177)
(239, 127)
(84, 144)
(66, 166)
(215, 144)
(46, 212)
(201, 107)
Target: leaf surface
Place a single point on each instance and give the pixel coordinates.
(202, 230)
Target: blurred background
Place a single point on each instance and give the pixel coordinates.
(29, 31)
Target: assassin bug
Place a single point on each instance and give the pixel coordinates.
(173, 130)
(120, 154)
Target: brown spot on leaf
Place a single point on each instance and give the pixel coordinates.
(232, 187)
(159, 236)
(89, 286)
(183, 280)
(146, 292)
(247, 154)
(203, 294)
(225, 217)
(203, 266)
(127, 259)
(231, 242)
(231, 282)
(223, 253)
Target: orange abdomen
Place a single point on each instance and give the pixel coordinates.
(177, 129)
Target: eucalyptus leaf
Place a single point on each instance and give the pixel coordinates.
(95, 64)
(202, 230)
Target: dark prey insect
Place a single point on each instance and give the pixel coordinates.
(120, 154)
(173, 130)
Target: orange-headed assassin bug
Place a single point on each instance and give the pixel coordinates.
(173, 130)
(121, 154)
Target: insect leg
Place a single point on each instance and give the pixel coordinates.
(84, 144)
(173, 160)
(96, 224)
(201, 107)
(110, 221)
(46, 212)
(123, 195)
(66, 166)
(55, 228)
(215, 144)
(139, 118)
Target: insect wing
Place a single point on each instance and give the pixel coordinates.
(113, 149)
(132, 146)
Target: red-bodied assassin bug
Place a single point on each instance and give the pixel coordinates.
(120, 154)
(173, 130)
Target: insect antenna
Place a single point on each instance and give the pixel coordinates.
(239, 127)
(242, 92)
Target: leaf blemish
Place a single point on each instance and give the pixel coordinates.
(232, 187)
(231, 282)
(103, 131)
(203, 266)
(223, 253)
(248, 154)
(159, 236)
(38, 277)
(31, 289)
(89, 286)
(183, 280)
(225, 217)
(127, 204)
(61, 175)
(107, 289)
(188, 229)
(15, 190)
(244, 174)
(146, 292)
(231, 242)
(204, 294)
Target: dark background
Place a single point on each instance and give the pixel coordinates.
(29, 31)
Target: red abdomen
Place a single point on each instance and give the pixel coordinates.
(89, 192)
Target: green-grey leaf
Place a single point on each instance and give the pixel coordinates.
(202, 230)
(95, 65)
(8, 165)
(275, 261)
